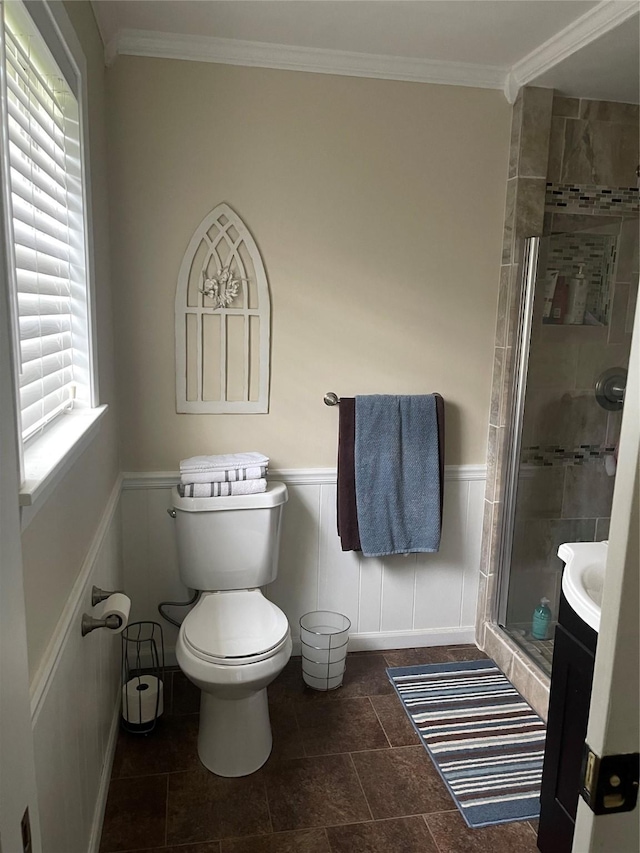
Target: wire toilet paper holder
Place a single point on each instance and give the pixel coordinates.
(142, 677)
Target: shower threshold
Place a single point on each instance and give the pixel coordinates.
(539, 651)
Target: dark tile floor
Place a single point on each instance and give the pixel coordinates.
(347, 775)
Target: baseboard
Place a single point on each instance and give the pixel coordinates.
(404, 639)
(105, 779)
(385, 640)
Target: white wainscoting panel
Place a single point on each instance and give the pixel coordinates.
(473, 538)
(392, 602)
(298, 578)
(75, 706)
(151, 575)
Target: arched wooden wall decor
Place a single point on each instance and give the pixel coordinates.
(222, 320)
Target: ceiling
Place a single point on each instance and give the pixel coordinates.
(606, 69)
(491, 43)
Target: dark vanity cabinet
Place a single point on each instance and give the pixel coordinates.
(569, 699)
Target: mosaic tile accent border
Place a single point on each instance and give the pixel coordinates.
(554, 455)
(590, 198)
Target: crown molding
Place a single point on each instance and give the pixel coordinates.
(586, 29)
(603, 18)
(197, 48)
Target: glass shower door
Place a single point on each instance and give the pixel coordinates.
(563, 454)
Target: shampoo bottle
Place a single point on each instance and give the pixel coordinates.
(541, 619)
(578, 289)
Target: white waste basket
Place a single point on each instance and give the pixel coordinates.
(324, 636)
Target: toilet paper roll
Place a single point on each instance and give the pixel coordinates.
(139, 697)
(117, 604)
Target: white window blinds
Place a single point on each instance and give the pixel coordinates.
(48, 230)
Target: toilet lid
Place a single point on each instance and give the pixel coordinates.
(235, 624)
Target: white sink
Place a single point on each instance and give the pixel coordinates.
(583, 578)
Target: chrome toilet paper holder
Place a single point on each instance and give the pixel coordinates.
(90, 623)
(98, 595)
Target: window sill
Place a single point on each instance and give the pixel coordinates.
(50, 456)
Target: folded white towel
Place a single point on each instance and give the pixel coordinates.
(215, 490)
(234, 475)
(223, 462)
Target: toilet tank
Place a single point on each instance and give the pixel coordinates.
(229, 542)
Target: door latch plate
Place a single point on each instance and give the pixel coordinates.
(609, 783)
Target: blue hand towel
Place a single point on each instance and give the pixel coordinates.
(397, 472)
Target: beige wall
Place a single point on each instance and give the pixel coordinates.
(58, 539)
(377, 207)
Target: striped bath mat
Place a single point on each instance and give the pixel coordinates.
(485, 740)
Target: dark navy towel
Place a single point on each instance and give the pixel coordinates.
(346, 494)
(397, 474)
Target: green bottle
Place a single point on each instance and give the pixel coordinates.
(541, 619)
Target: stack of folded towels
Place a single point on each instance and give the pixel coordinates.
(226, 474)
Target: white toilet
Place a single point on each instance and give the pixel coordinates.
(235, 641)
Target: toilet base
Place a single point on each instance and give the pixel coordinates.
(234, 738)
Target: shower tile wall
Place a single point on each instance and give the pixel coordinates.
(565, 493)
(593, 142)
(584, 149)
(524, 217)
(591, 213)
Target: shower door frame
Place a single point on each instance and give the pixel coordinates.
(522, 344)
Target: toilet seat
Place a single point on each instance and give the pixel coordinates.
(235, 627)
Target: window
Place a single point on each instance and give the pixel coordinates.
(45, 220)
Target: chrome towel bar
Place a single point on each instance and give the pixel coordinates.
(331, 399)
